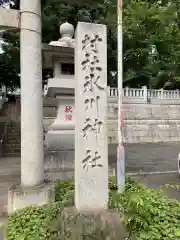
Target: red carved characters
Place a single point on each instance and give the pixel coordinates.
(68, 111)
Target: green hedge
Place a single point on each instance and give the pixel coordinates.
(148, 215)
(33, 223)
(29, 223)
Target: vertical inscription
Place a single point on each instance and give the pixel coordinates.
(91, 160)
(91, 65)
(91, 145)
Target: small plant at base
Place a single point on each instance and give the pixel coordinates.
(63, 189)
(27, 224)
(148, 214)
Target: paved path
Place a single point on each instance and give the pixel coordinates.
(139, 157)
(156, 180)
(149, 157)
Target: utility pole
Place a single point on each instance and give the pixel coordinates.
(120, 148)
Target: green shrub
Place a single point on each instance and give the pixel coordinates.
(33, 222)
(148, 214)
(64, 190)
(28, 223)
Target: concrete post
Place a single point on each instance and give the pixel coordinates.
(145, 93)
(126, 92)
(32, 153)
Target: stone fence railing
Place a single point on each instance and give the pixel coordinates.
(140, 95)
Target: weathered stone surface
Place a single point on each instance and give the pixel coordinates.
(19, 197)
(146, 123)
(143, 123)
(32, 149)
(59, 160)
(9, 18)
(151, 111)
(91, 147)
(109, 221)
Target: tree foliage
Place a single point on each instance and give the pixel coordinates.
(148, 26)
(151, 33)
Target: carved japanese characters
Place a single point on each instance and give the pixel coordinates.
(91, 142)
(91, 160)
(91, 65)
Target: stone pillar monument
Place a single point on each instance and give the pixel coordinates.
(91, 146)
(32, 189)
(32, 151)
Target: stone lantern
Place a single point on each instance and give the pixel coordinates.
(59, 139)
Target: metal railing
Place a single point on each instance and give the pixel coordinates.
(4, 137)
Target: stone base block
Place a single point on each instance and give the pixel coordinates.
(20, 197)
(109, 219)
(59, 160)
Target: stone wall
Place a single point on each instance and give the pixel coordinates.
(147, 123)
(143, 122)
